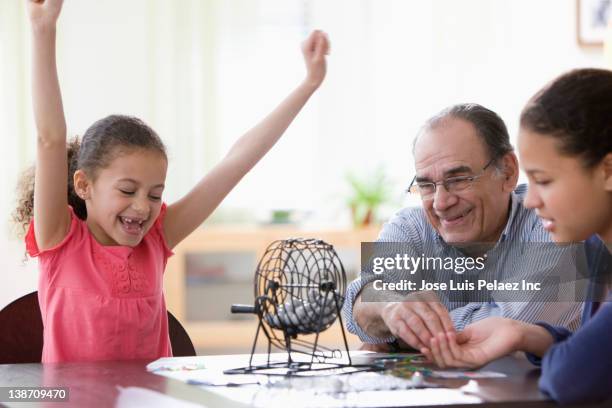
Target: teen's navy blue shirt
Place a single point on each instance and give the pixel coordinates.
(578, 367)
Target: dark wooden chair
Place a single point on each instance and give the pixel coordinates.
(21, 333)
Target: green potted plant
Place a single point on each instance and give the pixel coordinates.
(367, 194)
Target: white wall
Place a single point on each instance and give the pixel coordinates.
(201, 72)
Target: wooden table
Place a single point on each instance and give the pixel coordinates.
(96, 384)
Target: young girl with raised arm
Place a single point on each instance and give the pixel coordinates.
(96, 218)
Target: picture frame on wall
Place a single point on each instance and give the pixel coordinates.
(592, 17)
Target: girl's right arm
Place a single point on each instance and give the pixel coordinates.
(52, 219)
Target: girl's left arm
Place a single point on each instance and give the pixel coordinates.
(189, 212)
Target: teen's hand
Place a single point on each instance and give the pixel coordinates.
(314, 49)
(479, 344)
(44, 13)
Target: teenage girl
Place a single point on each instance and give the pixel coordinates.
(565, 147)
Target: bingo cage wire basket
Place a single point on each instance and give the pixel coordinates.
(299, 290)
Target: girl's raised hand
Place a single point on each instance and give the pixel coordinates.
(44, 13)
(314, 48)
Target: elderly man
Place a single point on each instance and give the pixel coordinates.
(466, 175)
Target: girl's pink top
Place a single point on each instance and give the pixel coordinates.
(102, 302)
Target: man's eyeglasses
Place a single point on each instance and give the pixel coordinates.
(453, 185)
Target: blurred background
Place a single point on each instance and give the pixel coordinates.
(202, 72)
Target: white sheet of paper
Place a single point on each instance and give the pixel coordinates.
(262, 396)
(136, 397)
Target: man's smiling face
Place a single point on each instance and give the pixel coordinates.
(478, 213)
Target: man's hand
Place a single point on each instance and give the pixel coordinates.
(314, 49)
(44, 13)
(417, 319)
(479, 344)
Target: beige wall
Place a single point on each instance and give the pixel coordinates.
(178, 65)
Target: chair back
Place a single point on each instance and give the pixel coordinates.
(179, 338)
(21, 332)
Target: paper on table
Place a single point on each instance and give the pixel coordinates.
(191, 370)
(275, 395)
(136, 397)
(213, 378)
(267, 398)
(176, 364)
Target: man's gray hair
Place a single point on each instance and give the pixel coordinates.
(489, 126)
